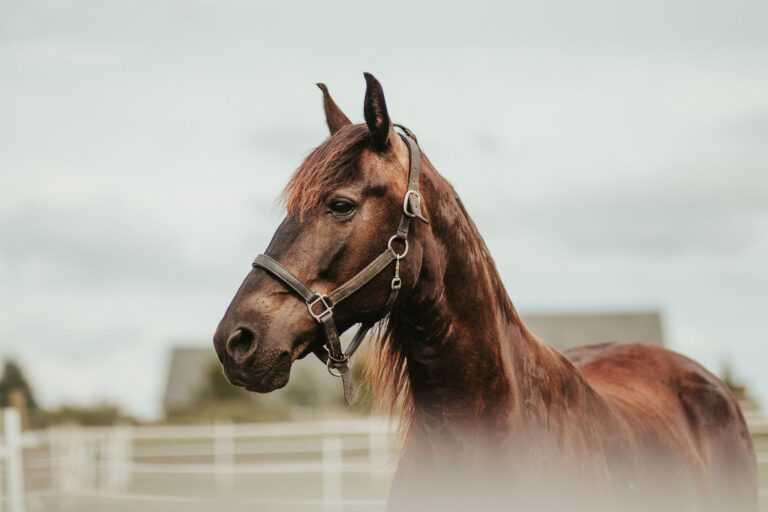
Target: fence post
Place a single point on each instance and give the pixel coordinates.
(224, 455)
(332, 465)
(378, 446)
(58, 449)
(116, 458)
(70, 451)
(14, 460)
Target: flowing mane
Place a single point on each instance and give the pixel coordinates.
(387, 367)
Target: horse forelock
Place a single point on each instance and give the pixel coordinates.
(328, 166)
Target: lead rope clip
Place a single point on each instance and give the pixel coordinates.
(397, 283)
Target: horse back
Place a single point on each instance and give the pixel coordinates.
(675, 415)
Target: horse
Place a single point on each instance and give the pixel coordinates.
(493, 417)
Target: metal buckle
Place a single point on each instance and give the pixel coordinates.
(396, 284)
(327, 308)
(394, 252)
(406, 203)
(337, 367)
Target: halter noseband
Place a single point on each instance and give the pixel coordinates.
(321, 306)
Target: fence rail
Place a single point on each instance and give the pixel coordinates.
(196, 464)
(333, 465)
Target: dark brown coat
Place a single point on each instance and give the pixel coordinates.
(495, 419)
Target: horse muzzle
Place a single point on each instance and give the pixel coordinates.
(256, 363)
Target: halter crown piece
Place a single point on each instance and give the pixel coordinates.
(320, 306)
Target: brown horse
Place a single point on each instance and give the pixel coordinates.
(495, 419)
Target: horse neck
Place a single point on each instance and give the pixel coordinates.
(470, 361)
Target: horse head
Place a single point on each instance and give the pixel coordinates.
(343, 204)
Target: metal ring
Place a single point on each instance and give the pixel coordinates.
(336, 371)
(394, 252)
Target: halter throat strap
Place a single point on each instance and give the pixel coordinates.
(320, 306)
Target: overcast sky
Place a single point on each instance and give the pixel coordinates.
(613, 154)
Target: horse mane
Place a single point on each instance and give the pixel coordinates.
(477, 247)
(328, 166)
(387, 367)
(386, 370)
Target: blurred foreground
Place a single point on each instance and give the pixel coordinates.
(330, 465)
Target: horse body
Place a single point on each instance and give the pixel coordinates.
(494, 418)
(610, 426)
(699, 437)
(616, 437)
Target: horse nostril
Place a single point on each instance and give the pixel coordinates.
(241, 344)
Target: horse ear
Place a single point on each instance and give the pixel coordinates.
(334, 117)
(375, 110)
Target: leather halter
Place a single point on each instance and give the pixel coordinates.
(320, 306)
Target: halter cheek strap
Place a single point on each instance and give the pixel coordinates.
(320, 306)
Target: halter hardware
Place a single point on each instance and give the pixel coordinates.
(327, 307)
(401, 255)
(334, 371)
(407, 203)
(331, 353)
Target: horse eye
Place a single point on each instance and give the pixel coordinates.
(341, 206)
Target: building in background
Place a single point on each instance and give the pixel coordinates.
(568, 330)
(188, 371)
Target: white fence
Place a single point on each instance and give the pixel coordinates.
(330, 465)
